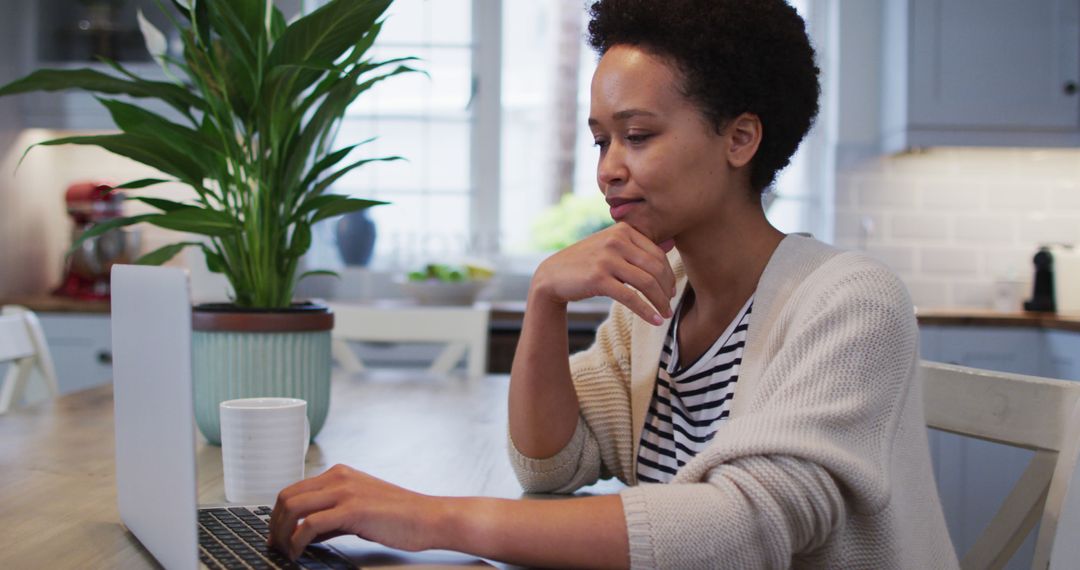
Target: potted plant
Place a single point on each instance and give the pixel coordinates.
(255, 103)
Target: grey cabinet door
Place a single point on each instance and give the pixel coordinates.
(999, 64)
(1062, 356)
(81, 347)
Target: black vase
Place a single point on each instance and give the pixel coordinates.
(356, 238)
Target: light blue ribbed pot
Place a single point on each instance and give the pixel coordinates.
(230, 364)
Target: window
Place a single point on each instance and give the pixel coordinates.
(495, 134)
(428, 120)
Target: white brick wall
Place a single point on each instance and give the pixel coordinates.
(952, 222)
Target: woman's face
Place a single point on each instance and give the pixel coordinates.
(663, 167)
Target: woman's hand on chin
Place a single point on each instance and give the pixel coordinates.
(603, 264)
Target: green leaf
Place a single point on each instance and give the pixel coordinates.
(182, 9)
(163, 254)
(329, 180)
(241, 30)
(189, 146)
(102, 227)
(162, 204)
(301, 239)
(214, 262)
(329, 161)
(97, 82)
(324, 118)
(338, 207)
(277, 24)
(325, 35)
(315, 272)
(141, 183)
(152, 152)
(197, 221)
(316, 202)
(201, 20)
(135, 120)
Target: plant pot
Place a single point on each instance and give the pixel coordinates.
(248, 353)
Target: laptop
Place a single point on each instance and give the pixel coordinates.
(155, 446)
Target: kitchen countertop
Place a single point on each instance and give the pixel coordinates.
(45, 303)
(988, 318)
(589, 314)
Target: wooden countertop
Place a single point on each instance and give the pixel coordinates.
(988, 318)
(45, 303)
(591, 313)
(59, 492)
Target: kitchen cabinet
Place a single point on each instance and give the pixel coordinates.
(980, 73)
(72, 34)
(81, 348)
(1062, 355)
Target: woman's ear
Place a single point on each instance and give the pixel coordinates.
(744, 136)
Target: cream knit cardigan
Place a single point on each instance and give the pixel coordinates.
(824, 461)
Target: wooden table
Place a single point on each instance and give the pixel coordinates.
(441, 435)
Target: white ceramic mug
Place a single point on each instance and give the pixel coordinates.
(263, 445)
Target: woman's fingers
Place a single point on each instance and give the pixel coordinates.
(630, 299)
(317, 524)
(648, 285)
(305, 486)
(288, 512)
(659, 265)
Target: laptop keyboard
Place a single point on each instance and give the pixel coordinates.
(236, 538)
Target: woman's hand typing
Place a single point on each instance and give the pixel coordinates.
(346, 501)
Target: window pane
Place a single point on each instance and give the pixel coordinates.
(444, 90)
(436, 153)
(424, 119)
(418, 228)
(428, 21)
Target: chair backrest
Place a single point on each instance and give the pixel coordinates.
(1040, 414)
(23, 347)
(464, 328)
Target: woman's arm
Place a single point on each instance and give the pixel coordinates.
(588, 532)
(543, 404)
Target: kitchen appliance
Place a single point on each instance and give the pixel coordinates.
(86, 274)
(1042, 298)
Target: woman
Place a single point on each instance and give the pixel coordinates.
(755, 390)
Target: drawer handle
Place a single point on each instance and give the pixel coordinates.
(104, 357)
(1070, 88)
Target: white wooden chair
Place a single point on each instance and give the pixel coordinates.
(1034, 413)
(462, 329)
(23, 348)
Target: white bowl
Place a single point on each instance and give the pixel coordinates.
(434, 292)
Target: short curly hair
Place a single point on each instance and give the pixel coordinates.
(735, 56)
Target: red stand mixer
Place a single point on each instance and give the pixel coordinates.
(86, 275)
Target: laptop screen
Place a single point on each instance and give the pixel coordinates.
(152, 389)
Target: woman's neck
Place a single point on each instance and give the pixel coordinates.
(724, 262)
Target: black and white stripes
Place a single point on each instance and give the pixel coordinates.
(689, 403)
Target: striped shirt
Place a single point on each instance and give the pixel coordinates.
(689, 403)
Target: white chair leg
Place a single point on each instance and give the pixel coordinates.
(11, 393)
(345, 356)
(449, 357)
(43, 362)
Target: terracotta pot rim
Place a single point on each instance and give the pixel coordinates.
(297, 307)
(224, 317)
